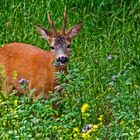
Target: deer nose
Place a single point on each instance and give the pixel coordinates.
(62, 59)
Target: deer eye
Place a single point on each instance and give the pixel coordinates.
(68, 46)
(52, 47)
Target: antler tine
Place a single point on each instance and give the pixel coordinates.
(65, 21)
(51, 23)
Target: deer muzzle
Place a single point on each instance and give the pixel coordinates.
(62, 59)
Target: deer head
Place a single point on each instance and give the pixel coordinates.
(59, 42)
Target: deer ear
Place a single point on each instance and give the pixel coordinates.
(74, 30)
(46, 34)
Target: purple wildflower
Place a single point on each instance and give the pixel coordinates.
(24, 84)
(23, 81)
(113, 77)
(86, 128)
(109, 57)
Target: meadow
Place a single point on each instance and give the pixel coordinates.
(101, 100)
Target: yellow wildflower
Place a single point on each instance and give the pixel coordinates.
(94, 126)
(76, 129)
(14, 75)
(84, 108)
(76, 132)
(15, 102)
(87, 135)
(101, 118)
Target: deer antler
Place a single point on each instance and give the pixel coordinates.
(51, 23)
(65, 21)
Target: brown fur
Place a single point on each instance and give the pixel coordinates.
(31, 63)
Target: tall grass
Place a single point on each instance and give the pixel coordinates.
(103, 71)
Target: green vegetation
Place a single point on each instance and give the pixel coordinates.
(102, 97)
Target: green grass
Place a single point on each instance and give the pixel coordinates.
(108, 45)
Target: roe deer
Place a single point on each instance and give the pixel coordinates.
(36, 65)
